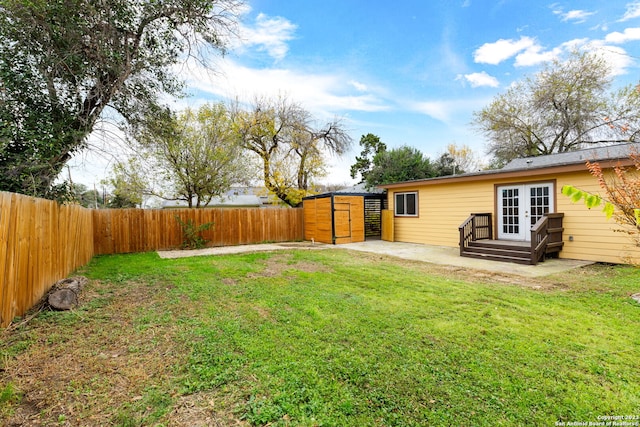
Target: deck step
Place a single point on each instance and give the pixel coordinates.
(499, 251)
(493, 244)
(504, 258)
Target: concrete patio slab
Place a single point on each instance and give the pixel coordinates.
(447, 255)
(226, 250)
(443, 255)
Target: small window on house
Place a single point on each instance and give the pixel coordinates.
(406, 204)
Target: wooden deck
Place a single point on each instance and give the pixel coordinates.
(476, 240)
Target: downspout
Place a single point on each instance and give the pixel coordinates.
(333, 222)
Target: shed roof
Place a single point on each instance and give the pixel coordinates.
(360, 188)
(356, 190)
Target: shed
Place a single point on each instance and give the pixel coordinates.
(345, 216)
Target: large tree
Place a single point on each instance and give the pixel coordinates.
(399, 164)
(566, 106)
(63, 62)
(371, 146)
(455, 160)
(191, 157)
(289, 146)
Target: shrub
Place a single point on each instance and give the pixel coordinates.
(192, 233)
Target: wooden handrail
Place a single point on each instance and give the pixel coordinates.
(546, 238)
(539, 239)
(477, 227)
(466, 232)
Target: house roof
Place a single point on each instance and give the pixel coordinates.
(573, 160)
(612, 152)
(220, 202)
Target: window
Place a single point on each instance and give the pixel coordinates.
(406, 204)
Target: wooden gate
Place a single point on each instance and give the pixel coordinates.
(342, 220)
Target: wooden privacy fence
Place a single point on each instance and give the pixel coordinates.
(118, 231)
(42, 242)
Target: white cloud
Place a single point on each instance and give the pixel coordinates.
(447, 111)
(633, 11)
(481, 79)
(600, 27)
(269, 34)
(439, 110)
(577, 16)
(495, 53)
(616, 57)
(359, 86)
(629, 34)
(536, 56)
(322, 94)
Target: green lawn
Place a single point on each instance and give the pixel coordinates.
(327, 338)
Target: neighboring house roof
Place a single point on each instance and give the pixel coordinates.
(240, 201)
(574, 160)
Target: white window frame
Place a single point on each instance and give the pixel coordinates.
(404, 204)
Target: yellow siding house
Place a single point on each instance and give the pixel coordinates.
(431, 211)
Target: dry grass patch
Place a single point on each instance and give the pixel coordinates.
(279, 263)
(88, 365)
(204, 410)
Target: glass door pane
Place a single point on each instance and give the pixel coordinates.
(540, 201)
(510, 215)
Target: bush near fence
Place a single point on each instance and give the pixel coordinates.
(42, 242)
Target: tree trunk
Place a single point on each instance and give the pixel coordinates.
(64, 293)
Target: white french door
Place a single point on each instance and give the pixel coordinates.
(520, 207)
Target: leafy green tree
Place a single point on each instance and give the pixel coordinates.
(63, 62)
(455, 160)
(371, 146)
(566, 106)
(399, 164)
(192, 157)
(127, 183)
(119, 201)
(290, 148)
(85, 197)
(446, 165)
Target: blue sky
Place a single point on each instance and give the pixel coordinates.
(412, 71)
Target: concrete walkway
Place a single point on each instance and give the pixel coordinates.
(443, 255)
(446, 255)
